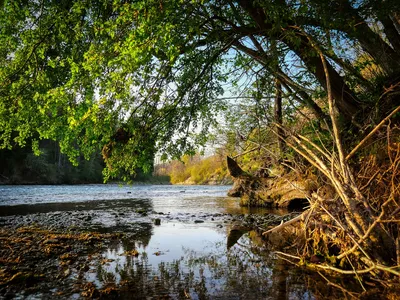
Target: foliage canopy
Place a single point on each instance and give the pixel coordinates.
(136, 77)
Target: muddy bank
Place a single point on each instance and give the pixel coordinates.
(40, 262)
(61, 253)
(184, 243)
(92, 216)
(113, 251)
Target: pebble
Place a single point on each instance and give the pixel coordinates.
(67, 272)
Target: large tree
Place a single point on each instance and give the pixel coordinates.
(135, 77)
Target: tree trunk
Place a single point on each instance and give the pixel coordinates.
(370, 41)
(278, 116)
(396, 20)
(391, 33)
(302, 96)
(305, 99)
(346, 100)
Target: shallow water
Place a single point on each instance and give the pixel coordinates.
(188, 256)
(35, 194)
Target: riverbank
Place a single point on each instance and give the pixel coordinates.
(58, 253)
(176, 242)
(42, 257)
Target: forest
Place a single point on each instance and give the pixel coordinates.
(310, 88)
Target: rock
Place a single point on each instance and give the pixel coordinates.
(157, 221)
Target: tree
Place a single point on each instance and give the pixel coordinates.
(80, 71)
(136, 77)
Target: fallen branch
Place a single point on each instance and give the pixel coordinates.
(340, 271)
(371, 133)
(288, 255)
(246, 152)
(283, 225)
(353, 295)
(367, 233)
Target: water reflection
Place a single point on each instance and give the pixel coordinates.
(182, 261)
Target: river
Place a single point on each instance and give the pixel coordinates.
(189, 255)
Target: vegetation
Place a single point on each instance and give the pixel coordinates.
(134, 78)
(196, 170)
(21, 166)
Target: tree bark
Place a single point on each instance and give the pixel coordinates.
(396, 20)
(391, 33)
(370, 41)
(302, 96)
(278, 115)
(305, 99)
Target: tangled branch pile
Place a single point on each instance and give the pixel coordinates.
(356, 232)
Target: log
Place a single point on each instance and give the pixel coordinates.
(234, 168)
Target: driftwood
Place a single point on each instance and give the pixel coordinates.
(234, 168)
(280, 191)
(283, 225)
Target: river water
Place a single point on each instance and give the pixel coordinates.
(191, 254)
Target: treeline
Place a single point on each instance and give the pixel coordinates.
(196, 170)
(22, 166)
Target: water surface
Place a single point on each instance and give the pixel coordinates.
(187, 256)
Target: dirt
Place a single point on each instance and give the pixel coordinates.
(47, 254)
